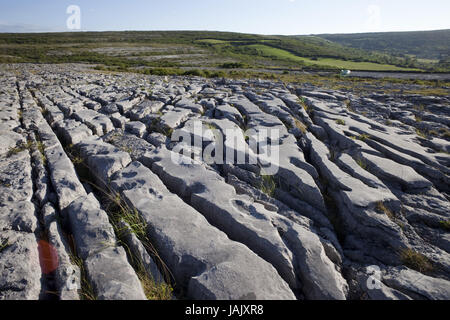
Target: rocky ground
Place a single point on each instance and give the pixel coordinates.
(94, 207)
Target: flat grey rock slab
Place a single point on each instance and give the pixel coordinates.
(393, 171)
(174, 117)
(20, 270)
(71, 131)
(99, 123)
(186, 103)
(417, 284)
(136, 147)
(18, 216)
(140, 253)
(67, 275)
(201, 257)
(102, 158)
(16, 183)
(64, 179)
(142, 110)
(112, 276)
(136, 127)
(90, 226)
(9, 140)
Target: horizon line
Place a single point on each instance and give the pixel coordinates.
(221, 31)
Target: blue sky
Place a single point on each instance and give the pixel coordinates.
(249, 16)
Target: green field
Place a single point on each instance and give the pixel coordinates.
(197, 52)
(326, 62)
(424, 49)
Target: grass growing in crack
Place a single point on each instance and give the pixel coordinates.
(4, 244)
(301, 101)
(73, 155)
(361, 163)
(153, 290)
(45, 112)
(167, 132)
(300, 125)
(127, 149)
(421, 134)
(41, 148)
(86, 292)
(348, 105)
(445, 224)
(119, 211)
(268, 184)
(415, 260)
(445, 133)
(381, 207)
(156, 126)
(340, 122)
(363, 137)
(21, 147)
(333, 154)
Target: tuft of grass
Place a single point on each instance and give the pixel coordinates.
(388, 122)
(445, 224)
(417, 118)
(152, 289)
(44, 112)
(86, 292)
(76, 160)
(381, 207)
(415, 260)
(300, 125)
(348, 105)
(268, 185)
(127, 149)
(301, 101)
(118, 211)
(340, 122)
(22, 147)
(4, 244)
(361, 163)
(421, 134)
(363, 137)
(41, 147)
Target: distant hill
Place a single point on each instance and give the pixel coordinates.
(422, 44)
(198, 49)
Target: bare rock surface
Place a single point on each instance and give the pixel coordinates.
(356, 208)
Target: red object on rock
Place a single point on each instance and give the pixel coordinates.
(48, 257)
